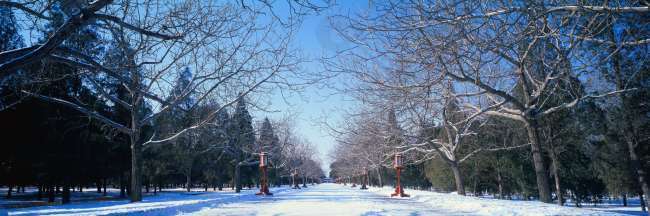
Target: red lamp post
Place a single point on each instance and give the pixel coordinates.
(364, 179)
(398, 164)
(264, 187)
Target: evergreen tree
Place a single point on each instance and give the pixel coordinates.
(268, 142)
(242, 141)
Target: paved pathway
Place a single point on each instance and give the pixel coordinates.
(324, 199)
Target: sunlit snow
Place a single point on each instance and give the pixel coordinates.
(324, 199)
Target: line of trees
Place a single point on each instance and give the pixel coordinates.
(536, 99)
(127, 86)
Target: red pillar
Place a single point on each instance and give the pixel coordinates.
(399, 191)
(264, 187)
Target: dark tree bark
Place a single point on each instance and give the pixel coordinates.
(11, 187)
(122, 186)
(458, 178)
(543, 186)
(40, 192)
(65, 198)
(379, 180)
(643, 202)
(500, 184)
(104, 186)
(136, 185)
(188, 181)
(556, 175)
(236, 180)
(50, 193)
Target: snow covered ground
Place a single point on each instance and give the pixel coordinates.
(483, 206)
(324, 199)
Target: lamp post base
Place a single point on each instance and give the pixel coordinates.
(264, 191)
(399, 191)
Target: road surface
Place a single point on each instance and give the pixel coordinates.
(324, 199)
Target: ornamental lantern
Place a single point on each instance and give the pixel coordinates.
(398, 161)
(264, 159)
(264, 186)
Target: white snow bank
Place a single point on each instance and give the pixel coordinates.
(165, 203)
(482, 206)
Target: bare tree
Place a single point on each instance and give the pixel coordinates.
(233, 49)
(512, 56)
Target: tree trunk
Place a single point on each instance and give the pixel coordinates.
(458, 178)
(500, 184)
(540, 168)
(136, 184)
(381, 183)
(11, 187)
(40, 192)
(65, 198)
(188, 182)
(628, 129)
(625, 199)
(104, 186)
(236, 178)
(556, 175)
(122, 186)
(50, 193)
(640, 173)
(643, 203)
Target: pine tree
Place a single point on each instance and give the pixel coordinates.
(242, 140)
(268, 141)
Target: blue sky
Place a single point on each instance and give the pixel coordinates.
(317, 103)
